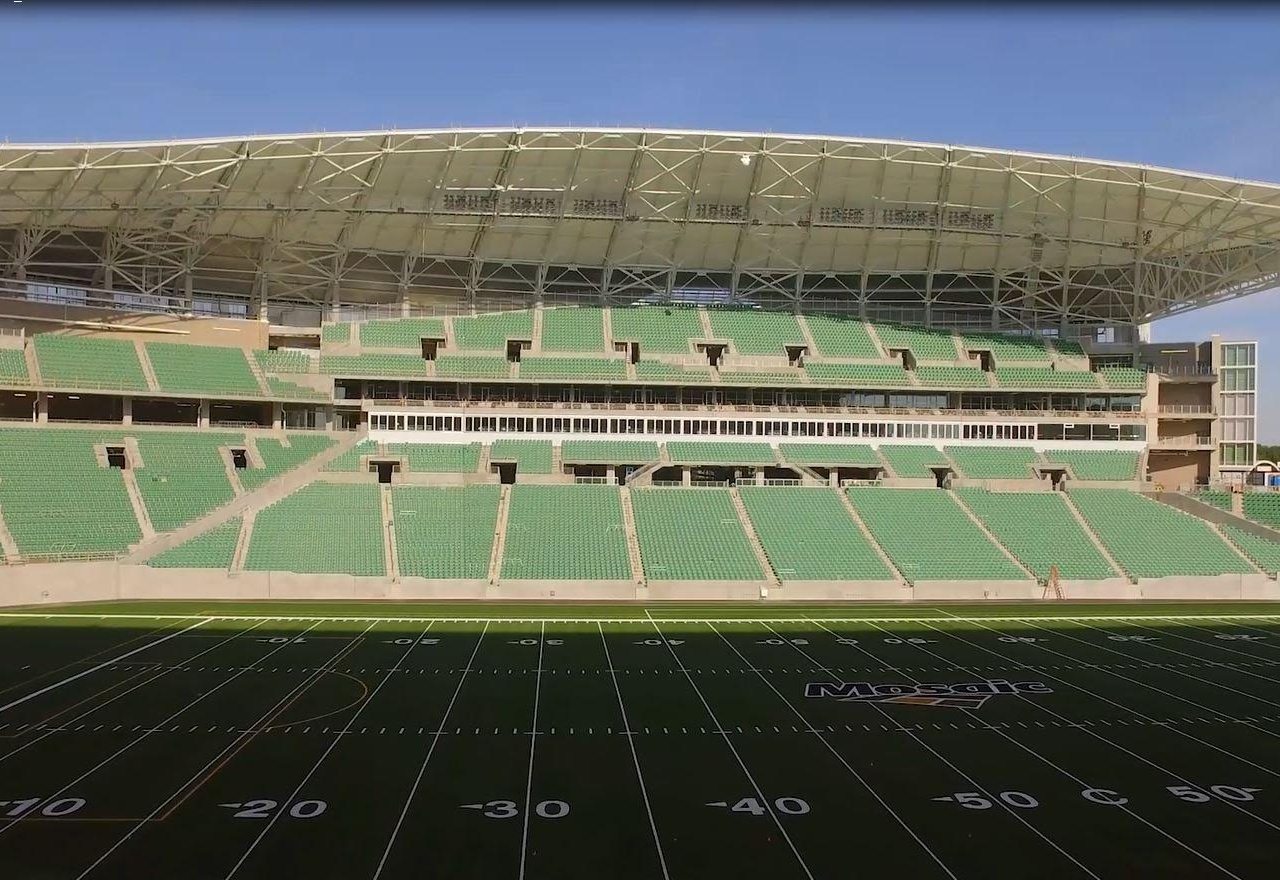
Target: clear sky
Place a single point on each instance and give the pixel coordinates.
(1181, 87)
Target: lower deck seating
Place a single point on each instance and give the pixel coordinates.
(13, 367)
(858, 455)
(608, 452)
(530, 456)
(321, 528)
(1111, 465)
(183, 475)
(692, 535)
(1150, 539)
(929, 537)
(1263, 507)
(565, 533)
(1265, 554)
(712, 452)
(994, 462)
(278, 458)
(215, 548)
(81, 362)
(808, 535)
(57, 499)
(438, 458)
(445, 532)
(1039, 529)
(915, 462)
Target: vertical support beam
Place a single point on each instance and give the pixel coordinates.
(127, 416)
(203, 419)
(42, 407)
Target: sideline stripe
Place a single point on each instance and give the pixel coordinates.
(276, 618)
(104, 663)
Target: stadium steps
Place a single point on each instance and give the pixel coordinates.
(135, 500)
(7, 544)
(486, 453)
(961, 354)
(147, 370)
(289, 482)
(242, 541)
(229, 467)
(708, 332)
(263, 388)
(557, 458)
(754, 538)
(871, 539)
(535, 346)
(881, 351)
(1262, 553)
(982, 527)
(33, 365)
(633, 543)
(808, 336)
(887, 465)
(1084, 524)
(450, 339)
(606, 323)
(499, 535)
(390, 553)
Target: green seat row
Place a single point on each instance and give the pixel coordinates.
(994, 462)
(692, 535)
(202, 369)
(573, 329)
(1263, 507)
(565, 533)
(462, 366)
(445, 532)
(762, 377)
(321, 528)
(1126, 378)
(608, 452)
(84, 362)
(1039, 378)
(912, 461)
(1264, 553)
(278, 458)
(438, 458)
(400, 333)
(215, 548)
(841, 338)
(658, 371)
(808, 535)
(530, 456)
(658, 329)
(336, 333)
(491, 332)
(933, 376)
(13, 367)
(831, 454)
(1150, 539)
(283, 361)
(1039, 529)
(373, 365)
(712, 452)
(1006, 347)
(183, 475)
(573, 368)
(1088, 465)
(756, 332)
(929, 537)
(926, 345)
(293, 391)
(858, 375)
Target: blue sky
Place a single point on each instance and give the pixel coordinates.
(1182, 87)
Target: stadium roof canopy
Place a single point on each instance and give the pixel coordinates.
(493, 217)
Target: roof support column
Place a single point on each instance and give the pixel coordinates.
(20, 255)
(188, 291)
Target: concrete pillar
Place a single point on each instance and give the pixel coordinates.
(833, 480)
(611, 472)
(128, 411)
(188, 292)
(686, 476)
(277, 415)
(204, 414)
(42, 408)
(759, 478)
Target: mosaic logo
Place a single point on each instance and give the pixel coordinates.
(969, 695)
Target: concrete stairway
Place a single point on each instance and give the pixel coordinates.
(242, 542)
(390, 552)
(749, 527)
(33, 365)
(145, 361)
(7, 544)
(139, 508)
(499, 535)
(990, 537)
(633, 542)
(871, 539)
(808, 336)
(255, 500)
(257, 374)
(1097, 542)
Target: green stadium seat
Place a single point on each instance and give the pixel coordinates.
(402, 333)
(657, 371)
(491, 332)
(1150, 539)
(950, 377)
(711, 452)
(13, 367)
(183, 476)
(929, 537)
(374, 365)
(658, 329)
(281, 389)
(55, 497)
(1263, 507)
(1046, 378)
(808, 535)
(530, 456)
(915, 462)
(83, 362)
(283, 361)
(692, 535)
(336, 333)
(762, 377)
(202, 369)
(215, 548)
(1124, 378)
(857, 455)
(1039, 529)
(565, 533)
(445, 532)
(573, 329)
(1264, 553)
(1005, 347)
(322, 528)
(994, 462)
(461, 366)
(1106, 465)
(438, 458)
(926, 345)
(756, 332)
(278, 458)
(608, 452)
(841, 338)
(347, 461)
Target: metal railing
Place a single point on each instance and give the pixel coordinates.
(1185, 409)
(1181, 442)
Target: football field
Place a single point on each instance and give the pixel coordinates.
(182, 740)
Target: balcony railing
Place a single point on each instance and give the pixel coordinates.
(1188, 442)
(1185, 409)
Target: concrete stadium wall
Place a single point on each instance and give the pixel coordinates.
(41, 584)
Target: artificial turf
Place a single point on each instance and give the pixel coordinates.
(199, 740)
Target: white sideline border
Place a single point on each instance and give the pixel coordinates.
(952, 618)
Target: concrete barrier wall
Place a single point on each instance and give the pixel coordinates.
(40, 584)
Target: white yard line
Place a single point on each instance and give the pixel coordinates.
(755, 786)
(104, 663)
(533, 744)
(337, 738)
(888, 717)
(635, 758)
(839, 757)
(422, 769)
(212, 762)
(1093, 733)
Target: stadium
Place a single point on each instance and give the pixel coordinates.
(629, 503)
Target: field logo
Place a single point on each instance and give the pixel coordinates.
(969, 695)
